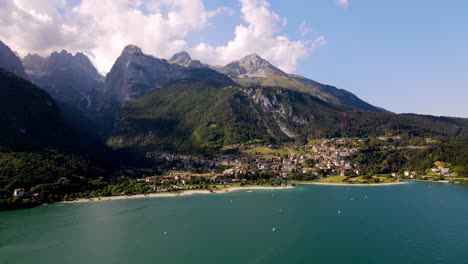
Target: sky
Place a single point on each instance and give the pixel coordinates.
(404, 56)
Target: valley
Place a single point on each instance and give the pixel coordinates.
(155, 126)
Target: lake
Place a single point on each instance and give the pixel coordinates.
(413, 223)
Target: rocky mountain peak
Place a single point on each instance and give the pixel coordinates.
(181, 58)
(134, 76)
(65, 52)
(70, 79)
(254, 57)
(251, 66)
(59, 61)
(32, 57)
(83, 59)
(62, 54)
(184, 59)
(254, 62)
(132, 50)
(34, 64)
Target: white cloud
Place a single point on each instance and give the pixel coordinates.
(159, 27)
(343, 3)
(304, 29)
(260, 33)
(320, 41)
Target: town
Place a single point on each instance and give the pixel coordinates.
(319, 159)
(327, 157)
(335, 161)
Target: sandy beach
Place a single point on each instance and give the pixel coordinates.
(172, 194)
(352, 184)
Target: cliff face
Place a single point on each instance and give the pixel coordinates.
(10, 61)
(71, 79)
(135, 74)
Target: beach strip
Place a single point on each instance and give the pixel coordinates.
(173, 194)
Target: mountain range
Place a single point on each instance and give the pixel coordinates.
(182, 105)
(71, 79)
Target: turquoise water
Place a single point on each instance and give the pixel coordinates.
(413, 223)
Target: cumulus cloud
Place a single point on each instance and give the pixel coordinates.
(102, 28)
(260, 33)
(343, 3)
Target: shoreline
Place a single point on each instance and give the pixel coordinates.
(172, 194)
(353, 184)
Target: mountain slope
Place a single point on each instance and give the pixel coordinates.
(30, 118)
(39, 151)
(186, 117)
(252, 71)
(10, 61)
(198, 118)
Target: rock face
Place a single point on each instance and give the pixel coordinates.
(184, 59)
(252, 70)
(34, 64)
(251, 66)
(69, 78)
(10, 61)
(333, 95)
(135, 74)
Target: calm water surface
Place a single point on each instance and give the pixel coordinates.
(414, 223)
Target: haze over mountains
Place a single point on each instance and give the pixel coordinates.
(69, 78)
(182, 105)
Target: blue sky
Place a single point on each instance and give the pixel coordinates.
(405, 56)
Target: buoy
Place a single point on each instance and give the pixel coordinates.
(274, 229)
(339, 212)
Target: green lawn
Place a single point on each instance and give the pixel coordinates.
(382, 179)
(333, 179)
(358, 180)
(268, 153)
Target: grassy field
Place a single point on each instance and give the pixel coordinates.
(268, 153)
(381, 179)
(357, 180)
(333, 179)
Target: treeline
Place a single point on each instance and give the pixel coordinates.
(379, 159)
(128, 186)
(454, 153)
(49, 173)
